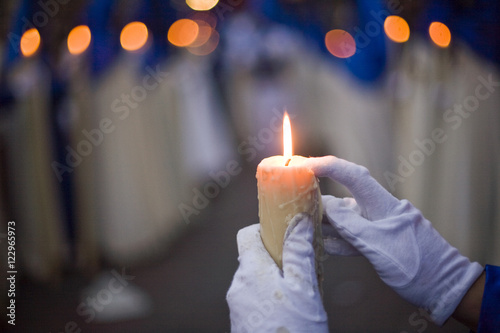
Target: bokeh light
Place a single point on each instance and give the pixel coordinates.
(79, 39)
(340, 43)
(202, 4)
(30, 41)
(133, 36)
(440, 34)
(397, 29)
(204, 33)
(208, 47)
(183, 32)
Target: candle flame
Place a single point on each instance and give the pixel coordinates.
(287, 139)
(30, 41)
(440, 34)
(133, 36)
(79, 39)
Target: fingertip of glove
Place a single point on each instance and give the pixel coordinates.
(298, 225)
(248, 231)
(322, 166)
(247, 236)
(346, 219)
(331, 201)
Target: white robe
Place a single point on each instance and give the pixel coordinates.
(456, 187)
(162, 147)
(41, 246)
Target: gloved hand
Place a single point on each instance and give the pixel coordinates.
(408, 254)
(262, 298)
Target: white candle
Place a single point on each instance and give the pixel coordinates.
(286, 187)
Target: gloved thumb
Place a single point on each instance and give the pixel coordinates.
(374, 200)
(333, 242)
(298, 253)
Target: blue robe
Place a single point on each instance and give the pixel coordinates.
(489, 320)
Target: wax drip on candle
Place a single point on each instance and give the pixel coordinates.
(287, 139)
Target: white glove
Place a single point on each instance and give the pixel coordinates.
(262, 298)
(408, 254)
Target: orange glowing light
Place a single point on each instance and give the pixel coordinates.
(397, 29)
(30, 41)
(202, 4)
(340, 43)
(208, 47)
(79, 39)
(133, 36)
(440, 34)
(183, 32)
(204, 33)
(287, 138)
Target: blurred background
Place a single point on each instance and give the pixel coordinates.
(130, 132)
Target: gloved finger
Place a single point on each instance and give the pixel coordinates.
(298, 254)
(253, 255)
(375, 241)
(331, 201)
(334, 244)
(347, 222)
(374, 200)
(354, 229)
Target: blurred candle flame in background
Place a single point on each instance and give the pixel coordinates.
(397, 29)
(133, 36)
(30, 41)
(204, 33)
(183, 32)
(440, 34)
(201, 4)
(340, 43)
(79, 39)
(197, 34)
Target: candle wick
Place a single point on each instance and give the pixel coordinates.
(288, 161)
